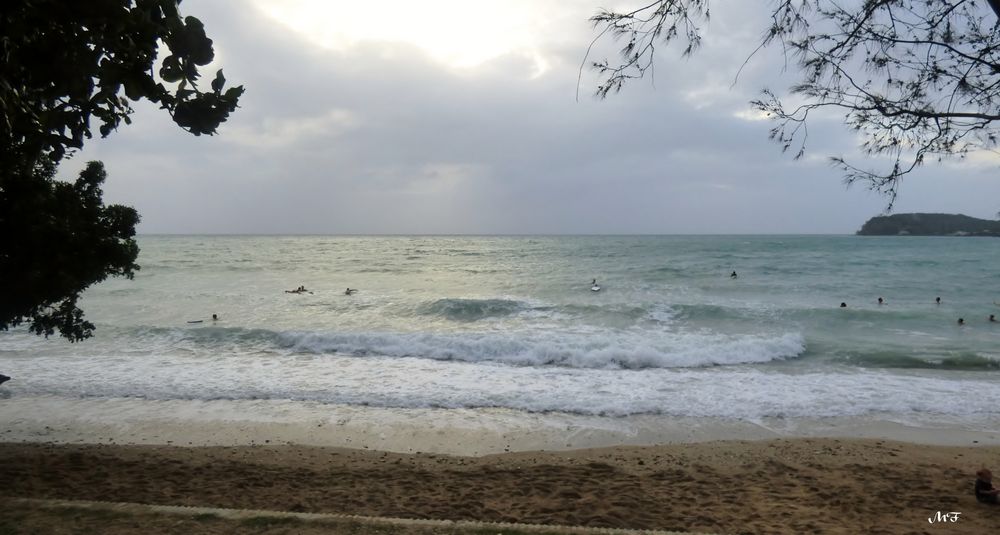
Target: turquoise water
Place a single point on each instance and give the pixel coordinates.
(511, 322)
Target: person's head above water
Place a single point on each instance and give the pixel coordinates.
(961, 321)
(843, 305)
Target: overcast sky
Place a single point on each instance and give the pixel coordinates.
(455, 116)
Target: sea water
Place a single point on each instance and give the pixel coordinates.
(484, 323)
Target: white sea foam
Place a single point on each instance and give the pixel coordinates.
(725, 392)
(662, 313)
(630, 350)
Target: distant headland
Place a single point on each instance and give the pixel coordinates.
(929, 225)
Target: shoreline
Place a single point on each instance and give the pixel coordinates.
(463, 432)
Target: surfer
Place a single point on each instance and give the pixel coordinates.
(937, 300)
(961, 321)
(215, 317)
(350, 291)
(3, 378)
(733, 275)
(843, 305)
(993, 318)
(593, 282)
(880, 301)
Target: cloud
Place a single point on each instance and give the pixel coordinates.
(278, 133)
(385, 135)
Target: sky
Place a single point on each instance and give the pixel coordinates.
(459, 117)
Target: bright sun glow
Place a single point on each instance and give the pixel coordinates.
(459, 33)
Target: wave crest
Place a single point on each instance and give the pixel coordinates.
(625, 351)
(472, 309)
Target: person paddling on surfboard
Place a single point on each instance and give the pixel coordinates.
(215, 317)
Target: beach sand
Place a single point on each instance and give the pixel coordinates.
(807, 485)
(832, 476)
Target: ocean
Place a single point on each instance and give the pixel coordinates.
(511, 323)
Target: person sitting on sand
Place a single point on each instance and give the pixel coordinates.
(985, 492)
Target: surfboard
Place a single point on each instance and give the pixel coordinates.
(196, 321)
(595, 288)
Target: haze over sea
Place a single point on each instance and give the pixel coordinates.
(510, 323)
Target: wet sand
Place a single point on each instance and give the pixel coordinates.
(804, 485)
(468, 432)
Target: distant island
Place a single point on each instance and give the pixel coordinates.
(929, 225)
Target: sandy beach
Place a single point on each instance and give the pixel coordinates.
(777, 486)
(770, 485)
